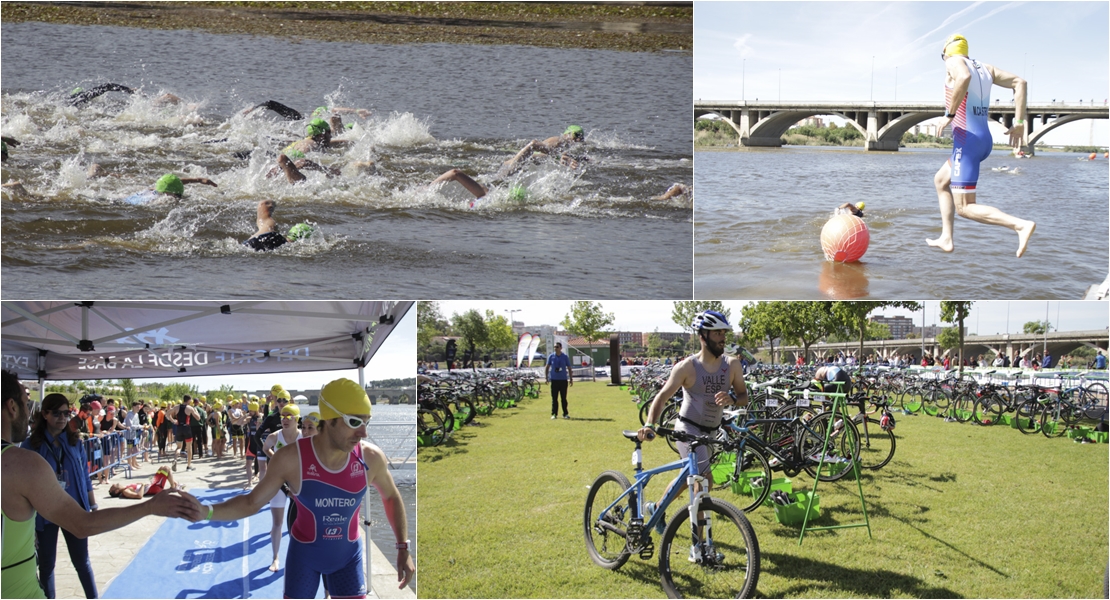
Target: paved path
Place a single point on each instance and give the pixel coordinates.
(113, 551)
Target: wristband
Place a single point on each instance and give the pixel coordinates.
(650, 426)
(211, 509)
(948, 115)
(403, 545)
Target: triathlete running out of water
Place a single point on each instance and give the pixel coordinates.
(967, 86)
(328, 475)
(710, 381)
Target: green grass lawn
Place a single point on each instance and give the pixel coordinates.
(961, 511)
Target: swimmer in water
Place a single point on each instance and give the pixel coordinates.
(292, 114)
(850, 209)
(80, 97)
(6, 141)
(167, 186)
(550, 146)
(675, 190)
(292, 159)
(967, 85)
(517, 193)
(267, 237)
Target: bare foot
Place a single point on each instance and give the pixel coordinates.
(1024, 233)
(943, 244)
(274, 566)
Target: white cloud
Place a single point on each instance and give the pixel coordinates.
(741, 45)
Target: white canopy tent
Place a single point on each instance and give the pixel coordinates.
(52, 340)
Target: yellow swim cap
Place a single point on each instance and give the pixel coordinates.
(284, 394)
(231, 398)
(203, 398)
(276, 389)
(860, 205)
(217, 407)
(253, 397)
(253, 407)
(956, 44)
(312, 416)
(291, 409)
(343, 395)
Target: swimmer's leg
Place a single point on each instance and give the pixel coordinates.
(968, 209)
(275, 534)
(943, 182)
(464, 180)
(292, 174)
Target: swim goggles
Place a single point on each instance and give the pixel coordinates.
(350, 420)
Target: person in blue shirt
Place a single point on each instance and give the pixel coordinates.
(56, 442)
(557, 372)
(1100, 360)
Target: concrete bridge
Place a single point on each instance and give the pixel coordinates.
(882, 123)
(1022, 344)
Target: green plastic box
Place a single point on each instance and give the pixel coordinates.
(1101, 437)
(743, 485)
(795, 513)
(781, 484)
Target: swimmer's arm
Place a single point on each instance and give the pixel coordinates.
(9, 140)
(341, 110)
(287, 113)
(339, 143)
(204, 180)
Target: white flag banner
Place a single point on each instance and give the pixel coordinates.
(522, 347)
(532, 348)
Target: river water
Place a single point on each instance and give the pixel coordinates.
(381, 233)
(759, 215)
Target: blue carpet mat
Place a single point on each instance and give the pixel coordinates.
(206, 559)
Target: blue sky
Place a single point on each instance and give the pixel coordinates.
(825, 51)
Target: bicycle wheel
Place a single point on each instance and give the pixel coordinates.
(987, 411)
(1029, 424)
(910, 399)
(844, 446)
(876, 446)
(669, 419)
(750, 464)
(723, 565)
(431, 428)
(963, 406)
(606, 532)
(644, 408)
(1095, 394)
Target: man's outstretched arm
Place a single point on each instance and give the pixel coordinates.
(1009, 80)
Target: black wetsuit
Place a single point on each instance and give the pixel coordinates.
(267, 241)
(287, 113)
(86, 96)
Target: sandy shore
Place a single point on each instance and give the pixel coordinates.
(608, 26)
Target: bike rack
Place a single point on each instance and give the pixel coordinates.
(840, 408)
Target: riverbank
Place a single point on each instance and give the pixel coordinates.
(624, 27)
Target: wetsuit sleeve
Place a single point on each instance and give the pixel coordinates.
(286, 113)
(86, 96)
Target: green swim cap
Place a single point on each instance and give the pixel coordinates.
(76, 91)
(316, 127)
(292, 152)
(518, 193)
(320, 112)
(574, 129)
(169, 184)
(299, 231)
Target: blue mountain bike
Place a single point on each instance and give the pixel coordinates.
(713, 555)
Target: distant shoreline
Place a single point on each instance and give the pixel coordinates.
(624, 27)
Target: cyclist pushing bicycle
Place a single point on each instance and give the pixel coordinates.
(706, 379)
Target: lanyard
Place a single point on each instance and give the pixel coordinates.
(59, 459)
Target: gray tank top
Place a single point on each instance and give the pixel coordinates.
(697, 402)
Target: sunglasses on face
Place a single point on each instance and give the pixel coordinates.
(60, 414)
(350, 420)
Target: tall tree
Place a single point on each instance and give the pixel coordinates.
(587, 320)
(654, 344)
(429, 322)
(955, 311)
(1037, 327)
(764, 321)
(852, 316)
(806, 322)
(499, 333)
(471, 326)
(128, 387)
(684, 310)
